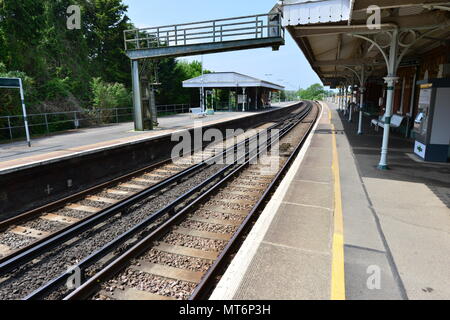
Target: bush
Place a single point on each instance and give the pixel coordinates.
(109, 95)
(55, 88)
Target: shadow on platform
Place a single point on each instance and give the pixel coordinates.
(404, 164)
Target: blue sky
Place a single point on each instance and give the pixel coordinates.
(287, 67)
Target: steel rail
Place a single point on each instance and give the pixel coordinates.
(90, 286)
(149, 220)
(75, 197)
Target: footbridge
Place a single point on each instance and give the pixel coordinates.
(249, 32)
(213, 36)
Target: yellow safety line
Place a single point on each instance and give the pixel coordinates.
(337, 266)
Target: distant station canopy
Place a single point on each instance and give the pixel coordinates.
(233, 91)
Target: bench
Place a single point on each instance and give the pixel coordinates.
(396, 121)
(197, 112)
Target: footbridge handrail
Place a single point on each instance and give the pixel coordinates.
(239, 28)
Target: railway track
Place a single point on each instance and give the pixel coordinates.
(98, 207)
(29, 230)
(183, 257)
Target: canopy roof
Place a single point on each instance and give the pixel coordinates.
(228, 80)
(328, 32)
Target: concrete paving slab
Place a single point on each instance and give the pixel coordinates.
(301, 227)
(310, 193)
(410, 202)
(321, 141)
(364, 265)
(417, 228)
(318, 174)
(291, 275)
(360, 228)
(422, 257)
(322, 158)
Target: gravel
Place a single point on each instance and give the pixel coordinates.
(228, 205)
(95, 204)
(110, 196)
(164, 174)
(146, 282)
(251, 183)
(204, 213)
(141, 183)
(223, 195)
(131, 190)
(208, 227)
(72, 213)
(239, 189)
(15, 241)
(177, 261)
(194, 242)
(45, 225)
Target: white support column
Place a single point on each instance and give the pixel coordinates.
(24, 110)
(390, 80)
(245, 99)
(339, 99)
(137, 103)
(361, 102)
(350, 105)
(362, 89)
(345, 99)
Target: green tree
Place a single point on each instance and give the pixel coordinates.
(313, 92)
(105, 22)
(172, 73)
(21, 32)
(109, 95)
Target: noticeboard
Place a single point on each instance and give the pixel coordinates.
(9, 83)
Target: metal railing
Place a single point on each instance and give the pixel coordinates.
(173, 108)
(240, 28)
(13, 127)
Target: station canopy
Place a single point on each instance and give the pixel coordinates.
(331, 32)
(229, 80)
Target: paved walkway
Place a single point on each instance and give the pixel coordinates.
(396, 225)
(396, 222)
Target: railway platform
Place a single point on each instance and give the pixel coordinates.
(339, 228)
(72, 162)
(83, 141)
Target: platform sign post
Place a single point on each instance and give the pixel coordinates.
(16, 83)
